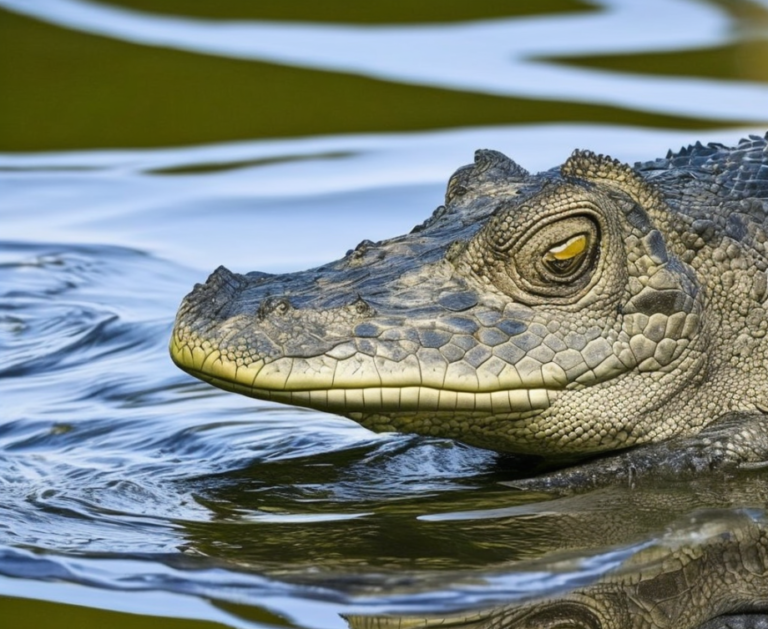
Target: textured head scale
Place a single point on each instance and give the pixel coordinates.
(602, 169)
(578, 310)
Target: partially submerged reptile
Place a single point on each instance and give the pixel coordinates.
(587, 309)
(594, 309)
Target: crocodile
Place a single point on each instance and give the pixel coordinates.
(582, 311)
(598, 320)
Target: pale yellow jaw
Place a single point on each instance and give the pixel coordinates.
(335, 389)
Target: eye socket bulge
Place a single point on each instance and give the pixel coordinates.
(558, 259)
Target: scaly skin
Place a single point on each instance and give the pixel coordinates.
(585, 309)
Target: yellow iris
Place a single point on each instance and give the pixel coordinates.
(569, 249)
(565, 257)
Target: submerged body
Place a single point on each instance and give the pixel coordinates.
(586, 309)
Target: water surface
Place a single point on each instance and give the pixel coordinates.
(143, 144)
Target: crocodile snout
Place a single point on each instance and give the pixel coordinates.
(221, 286)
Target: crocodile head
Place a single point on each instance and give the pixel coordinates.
(541, 314)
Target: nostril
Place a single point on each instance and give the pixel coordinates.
(222, 278)
(219, 289)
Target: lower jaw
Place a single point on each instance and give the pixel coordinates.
(407, 400)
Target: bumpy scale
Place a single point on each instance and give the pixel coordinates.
(586, 309)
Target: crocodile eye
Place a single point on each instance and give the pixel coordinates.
(557, 259)
(566, 257)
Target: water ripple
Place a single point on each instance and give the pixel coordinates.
(503, 57)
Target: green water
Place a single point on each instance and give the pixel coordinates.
(129, 169)
(64, 89)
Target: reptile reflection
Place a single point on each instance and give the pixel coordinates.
(605, 319)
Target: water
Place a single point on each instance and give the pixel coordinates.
(169, 144)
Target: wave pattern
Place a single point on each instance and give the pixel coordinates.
(502, 57)
(153, 493)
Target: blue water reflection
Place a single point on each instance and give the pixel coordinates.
(291, 214)
(129, 486)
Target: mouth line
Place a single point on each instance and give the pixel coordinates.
(393, 399)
